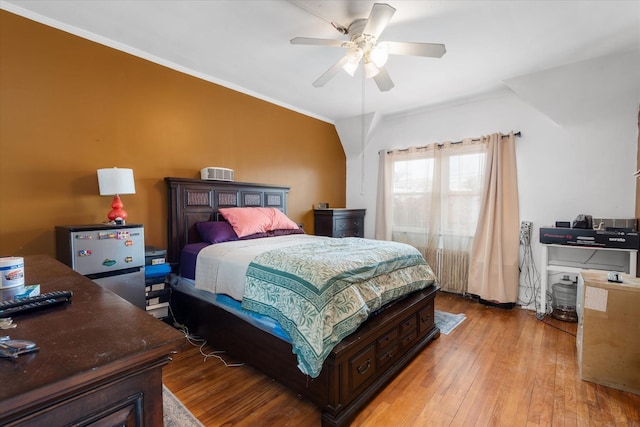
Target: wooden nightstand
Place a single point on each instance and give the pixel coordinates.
(339, 222)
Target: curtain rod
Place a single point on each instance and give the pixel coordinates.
(518, 134)
(479, 139)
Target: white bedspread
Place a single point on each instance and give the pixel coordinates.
(222, 268)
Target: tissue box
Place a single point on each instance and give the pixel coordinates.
(19, 292)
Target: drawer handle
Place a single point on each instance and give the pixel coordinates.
(364, 367)
(426, 318)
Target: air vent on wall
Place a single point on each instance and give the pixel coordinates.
(216, 174)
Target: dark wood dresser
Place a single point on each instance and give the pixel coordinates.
(100, 358)
(339, 222)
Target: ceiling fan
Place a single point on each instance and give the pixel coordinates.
(364, 46)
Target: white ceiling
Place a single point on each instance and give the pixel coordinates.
(244, 44)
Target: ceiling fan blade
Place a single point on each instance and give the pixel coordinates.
(330, 73)
(383, 80)
(321, 42)
(380, 16)
(433, 50)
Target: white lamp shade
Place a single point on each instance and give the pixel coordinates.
(350, 67)
(370, 69)
(113, 181)
(379, 55)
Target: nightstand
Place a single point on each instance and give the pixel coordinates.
(339, 222)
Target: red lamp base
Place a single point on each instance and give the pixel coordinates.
(116, 209)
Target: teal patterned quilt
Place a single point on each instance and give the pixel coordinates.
(321, 292)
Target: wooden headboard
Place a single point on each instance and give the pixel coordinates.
(194, 200)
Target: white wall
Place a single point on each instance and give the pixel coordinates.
(581, 167)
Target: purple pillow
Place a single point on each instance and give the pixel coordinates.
(254, 236)
(285, 232)
(216, 231)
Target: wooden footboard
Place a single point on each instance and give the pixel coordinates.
(357, 368)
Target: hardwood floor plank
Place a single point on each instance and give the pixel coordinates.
(498, 368)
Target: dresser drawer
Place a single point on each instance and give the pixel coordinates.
(342, 224)
(362, 367)
(408, 324)
(387, 356)
(426, 320)
(349, 232)
(387, 339)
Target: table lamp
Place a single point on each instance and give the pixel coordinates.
(114, 182)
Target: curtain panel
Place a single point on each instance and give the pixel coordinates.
(494, 272)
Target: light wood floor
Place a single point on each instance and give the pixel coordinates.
(498, 368)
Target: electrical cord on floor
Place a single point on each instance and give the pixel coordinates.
(531, 277)
(196, 341)
(555, 327)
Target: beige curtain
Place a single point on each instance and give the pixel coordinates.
(493, 273)
(384, 202)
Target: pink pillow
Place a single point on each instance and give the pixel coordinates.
(281, 221)
(248, 221)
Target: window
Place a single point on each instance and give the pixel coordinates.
(433, 201)
(430, 197)
(458, 203)
(412, 184)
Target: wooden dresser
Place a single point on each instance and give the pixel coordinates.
(339, 222)
(100, 358)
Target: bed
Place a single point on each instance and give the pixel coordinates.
(353, 370)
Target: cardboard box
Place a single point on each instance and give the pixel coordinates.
(608, 345)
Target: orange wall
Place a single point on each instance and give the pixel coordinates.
(69, 106)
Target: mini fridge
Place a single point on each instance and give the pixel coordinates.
(113, 256)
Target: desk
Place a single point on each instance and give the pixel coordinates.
(100, 359)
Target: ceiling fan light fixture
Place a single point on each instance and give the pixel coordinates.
(364, 46)
(354, 56)
(370, 69)
(350, 67)
(379, 54)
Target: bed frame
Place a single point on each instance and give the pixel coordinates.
(357, 368)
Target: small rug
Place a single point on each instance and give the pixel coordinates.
(175, 413)
(447, 322)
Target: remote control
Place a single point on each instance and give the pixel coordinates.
(10, 308)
